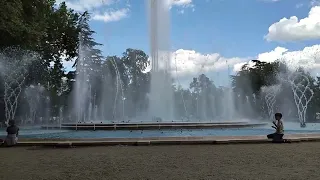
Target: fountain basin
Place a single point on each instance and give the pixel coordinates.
(65, 134)
(153, 125)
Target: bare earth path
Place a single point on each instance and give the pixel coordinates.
(224, 162)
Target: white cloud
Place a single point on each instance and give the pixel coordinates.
(272, 55)
(86, 5)
(315, 2)
(191, 63)
(181, 2)
(271, 0)
(293, 29)
(100, 9)
(307, 58)
(187, 64)
(111, 16)
(300, 5)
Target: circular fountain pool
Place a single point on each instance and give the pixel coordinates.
(290, 128)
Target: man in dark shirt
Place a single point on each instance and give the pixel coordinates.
(12, 134)
(13, 129)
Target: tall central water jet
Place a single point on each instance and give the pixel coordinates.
(161, 92)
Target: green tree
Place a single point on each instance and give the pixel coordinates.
(135, 63)
(48, 30)
(23, 23)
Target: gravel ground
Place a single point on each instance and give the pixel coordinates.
(224, 162)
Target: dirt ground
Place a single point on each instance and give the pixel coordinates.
(222, 162)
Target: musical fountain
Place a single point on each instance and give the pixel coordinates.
(160, 120)
(160, 114)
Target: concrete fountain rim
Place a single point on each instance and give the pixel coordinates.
(153, 125)
(209, 140)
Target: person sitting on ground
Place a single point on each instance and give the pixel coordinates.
(12, 134)
(278, 126)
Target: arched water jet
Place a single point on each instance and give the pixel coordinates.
(299, 90)
(15, 63)
(270, 98)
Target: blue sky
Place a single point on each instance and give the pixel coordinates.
(214, 31)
